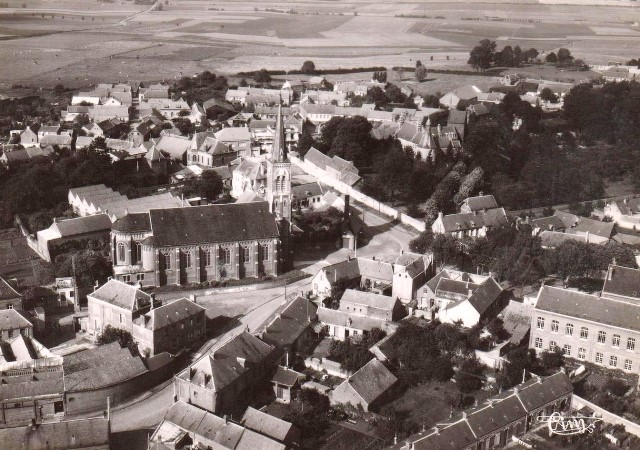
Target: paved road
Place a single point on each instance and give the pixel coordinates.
(256, 307)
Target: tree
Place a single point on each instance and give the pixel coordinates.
(380, 76)
(470, 375)
(496, 328)
(305, 142)
(422, 243)
(418, 63)
(519, 361)
(564, 55)
(262, 76)
(421, 73)
(58, 89)
(123, 337)
(481, 57)
(550, 360)
(530, 54)
(445, 248)
(308, 68)
(209, 186)
(551, 58)
(548, 96)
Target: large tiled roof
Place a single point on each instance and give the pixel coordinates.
(266, 424)
(481, 202)
(371, 381)
(168, 314)
(552, 239)
(250, 440)
(67, 434)
(330, 316)
(122, 295)
(307, 190)
(81, 225)
(317, 158)
(132, 223)
(498, 412)
(471, 221)
(370, 268)
(284, 376)
(106, 374)
(252, 168)
(551, 223)
(213, 223)
(7, 292)
(205, 424)
(213, 146)
(11, 319)
(622, 281)
(369, 299)
(589, 307)
(233, 134)
(289, 324)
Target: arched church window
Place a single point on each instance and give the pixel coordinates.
(121, 252)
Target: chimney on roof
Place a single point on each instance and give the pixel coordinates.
(226, 419)
(153, 300)
(610, 272)
(192, 297)
(437, 430)
(464, 415)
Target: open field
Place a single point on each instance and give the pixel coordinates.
(78, 43)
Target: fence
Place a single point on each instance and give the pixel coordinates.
(630, 427)
(358, 196)
(323, 364)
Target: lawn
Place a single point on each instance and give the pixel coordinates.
(425, 404)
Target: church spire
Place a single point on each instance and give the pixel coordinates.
(279, 152)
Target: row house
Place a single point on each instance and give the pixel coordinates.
(596, 329)
(495, 422)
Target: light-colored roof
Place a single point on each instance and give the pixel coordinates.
(234, 134)
(371, 381)
(369, 299)
(169, 314)
(122, 295)
(266, 424)
(11, 319)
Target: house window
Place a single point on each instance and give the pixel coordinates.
(598, 358)
(613, 361)
(246, 254)
(120, 318)
(569, 329)
(627, 364)
(566, 350)
(126, 278)
(121, 252)
(582, 353)
(207, 257)
(225, 255)
(584, 333)
(140, 277)
(602, 337)
(265, 252)
(187, 260)
(138, 252)
(540, 323)
(631, 344)
(552, 346)
(554, 326)
(538, 342)
(10, 333)
(616, 340)
(167, 260)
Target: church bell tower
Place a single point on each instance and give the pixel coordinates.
(278, 189)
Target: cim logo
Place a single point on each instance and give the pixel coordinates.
(565, 426)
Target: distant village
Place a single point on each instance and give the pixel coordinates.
(360, 335)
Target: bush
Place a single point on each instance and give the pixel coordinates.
(616, 387)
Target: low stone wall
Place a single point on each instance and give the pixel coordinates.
(357, 195)
(326, 365)
(629, 426)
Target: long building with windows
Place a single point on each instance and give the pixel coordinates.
(592, 328)
(198, 244)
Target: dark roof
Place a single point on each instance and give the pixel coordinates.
(86, 359)
(245, 346)
(470, 221)
(288, 325)
(456, 116)
(106, 374)
(552, 223)
(596, 227)
(266, 424)
(205, 424)
(168, 314)
(486, 295)
(622, 281)
(132, 223)
(307, 190)
(498, 412)
(371, 381)
(68, 434)
(481, 202)
(589, 307)
(213, 223)
(285, 377)
(30, 389)
(7, 292)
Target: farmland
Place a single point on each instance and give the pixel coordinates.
(79, 43)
